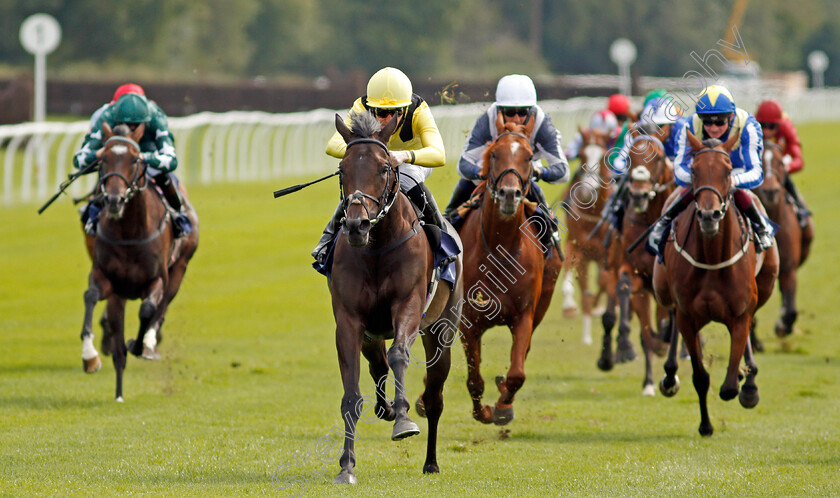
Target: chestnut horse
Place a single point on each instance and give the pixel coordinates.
(794, 241)
(583, 202)
(134, 254)
(382, 267)
(508, 272)
(651, 182)
(710, 273)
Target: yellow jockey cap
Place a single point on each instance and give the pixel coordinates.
(389, 88)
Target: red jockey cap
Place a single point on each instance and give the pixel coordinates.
(619, 104)
(769, 111)
(127, 88)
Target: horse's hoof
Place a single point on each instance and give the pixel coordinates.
(586, 338)
(431, 468)
(419, 407)
(570, 312)
(669, 389)
(660, 347)
(404, 428)
(728, 394)
(706, 430)
(484, 414)
(119, 399)
(649, 390)
(625, 353)
(150, 354)
(130, 346)
(92, 365)
(345, 477)
(502, 416)
(605, 363)
(749, 396)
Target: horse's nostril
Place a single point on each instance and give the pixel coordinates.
(517, 194)
(364, 225)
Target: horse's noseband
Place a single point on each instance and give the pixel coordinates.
(524, 183)
(358, 197)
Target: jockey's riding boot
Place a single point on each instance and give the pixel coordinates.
(169, 187)
(461, 194)
(655, 243)
(422, 197)
(330, 231)
(536, 194)
(802, 212)
(90, 216)
(764, 230)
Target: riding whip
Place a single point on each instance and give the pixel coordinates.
(66, 183)
(295, 188)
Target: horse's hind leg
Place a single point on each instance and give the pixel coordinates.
(98, 288)
(640, 300)
(625, 352)
(670, 383)
(115, 315)
(787, 284)
(374, 351)
(438, 352)
(151, 310)
(700, 376)
(749, 393)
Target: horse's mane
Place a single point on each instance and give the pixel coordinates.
(485, 167)
(364, 124)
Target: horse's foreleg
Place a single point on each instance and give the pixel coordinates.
(146, 342)
(568, 288)
(608, 319)
(739, 334)
(587, 300)
(348, 342)
(98, 288)
(670, 383)
(700, 376)
(787, 286)
(625, 351)
(115, 315)
(522, 330)
(749, 392)
(406, 326)
(640, 301)
(374, 351)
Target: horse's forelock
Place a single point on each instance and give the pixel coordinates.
(122, 130)
(712, 142)
(364, 124)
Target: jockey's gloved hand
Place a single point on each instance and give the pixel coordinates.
(538, 172)
(400, 156)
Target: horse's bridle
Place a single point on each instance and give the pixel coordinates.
(717, 214)
(524, 183)
(389, 193)
(660, 172)
(132, 186)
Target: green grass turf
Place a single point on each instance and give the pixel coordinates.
(249, 381)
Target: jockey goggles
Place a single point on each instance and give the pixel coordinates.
(715, 119)
(516, 111)
(384, 113)
(769, 126)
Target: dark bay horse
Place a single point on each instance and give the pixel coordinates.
(583, 202)
(381, 270)
(651, 182)
(508, 276)
(710, 273)
(794, 241)
(134, 254)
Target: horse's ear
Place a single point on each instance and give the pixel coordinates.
(342, 128)
(390, 128)
(730, 143)
(107, 132)
(500, 123)
(137, 134)
(529, 125)
(693, 141)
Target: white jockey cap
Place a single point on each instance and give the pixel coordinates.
(660, 112)
(516, 90)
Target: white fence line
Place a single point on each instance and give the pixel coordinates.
(256, 146)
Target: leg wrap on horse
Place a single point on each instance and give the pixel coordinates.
(764, 229)
(330, 231)
(802, 212)
(655, 243)
(461, 194)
